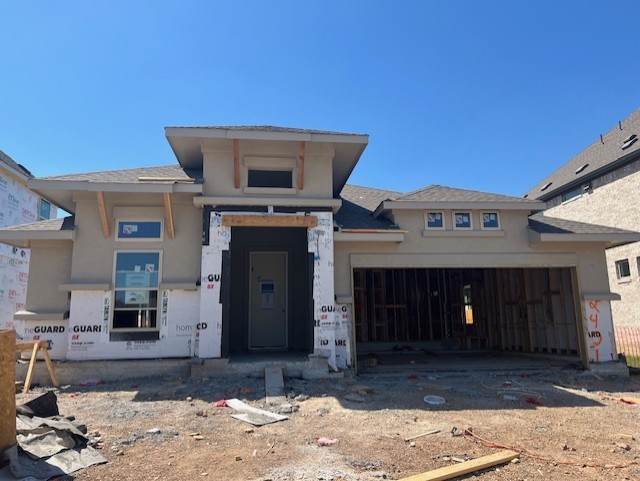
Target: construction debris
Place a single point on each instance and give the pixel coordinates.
(47, 446)
(465, 467)
(251, 415)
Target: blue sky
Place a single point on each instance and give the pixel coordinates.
(490, 95)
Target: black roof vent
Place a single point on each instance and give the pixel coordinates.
(546, 186)
(525, 196)
(581, 168)
(629, 141)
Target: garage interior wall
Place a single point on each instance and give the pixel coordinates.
(524, 310)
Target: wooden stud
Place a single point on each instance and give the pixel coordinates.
(236, 163)
(581, 329)
(301, 165)
(449, 472)
(104, 220)
(269, 221)
(7, 389)
(168, 214)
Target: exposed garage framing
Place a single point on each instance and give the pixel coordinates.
(523, 310)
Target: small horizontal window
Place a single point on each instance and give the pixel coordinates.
(490, 220)
(139, 230)
(622, 269)
(270, 178)
(462, 220)
(434, 220)
(572, 194)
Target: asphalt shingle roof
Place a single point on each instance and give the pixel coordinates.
(267, 128)
(64, 223)
(552, 225)
(132, 175)
(358, 204)
(599, 155)
(440, 193)
(5, 159)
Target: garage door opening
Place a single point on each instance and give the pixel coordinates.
(520, 310)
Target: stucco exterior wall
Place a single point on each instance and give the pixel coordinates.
(614, 204)
(50, 266)
(93, 255)
(218, 167)
(508, 247)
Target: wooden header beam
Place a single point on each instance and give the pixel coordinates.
(168, 214)
(103, 215)
(301, 166)
(269, 221)
(236, 163)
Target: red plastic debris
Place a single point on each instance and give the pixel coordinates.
(534, 401)
(220, 404)
(326, 441)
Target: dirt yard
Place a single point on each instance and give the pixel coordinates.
(567, 425)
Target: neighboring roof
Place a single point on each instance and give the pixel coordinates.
(599, 157)
(21, 169)
(171, 172)
(187, 144)
(358, 204)
(553, 229)
(52, 229)
(163, 179)
(441, 197)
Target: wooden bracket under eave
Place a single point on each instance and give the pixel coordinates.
(301, 166)
(104, 220)
(236, 163)
(168, 214)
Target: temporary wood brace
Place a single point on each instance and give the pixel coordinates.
(34, 347)
(449, 472)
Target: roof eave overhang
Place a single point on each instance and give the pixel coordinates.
(186, 143)
(609, 240)
(389, 205)
(301, 202)
(356, 235)
(23, 238)
(59, 192)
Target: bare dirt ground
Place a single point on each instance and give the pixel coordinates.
(574, 426)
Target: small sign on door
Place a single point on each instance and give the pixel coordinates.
(267, 293)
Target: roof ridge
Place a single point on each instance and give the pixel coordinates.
(150, 167)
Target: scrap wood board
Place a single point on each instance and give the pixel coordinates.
(450, 472)
(251, 415)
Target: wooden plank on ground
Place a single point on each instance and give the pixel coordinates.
(7, 389)
(449, 472)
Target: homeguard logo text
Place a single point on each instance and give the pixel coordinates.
(87, 328)
(48, 329)
(213, 278)
(328, 308)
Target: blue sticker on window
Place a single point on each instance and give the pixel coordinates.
(139, 229)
